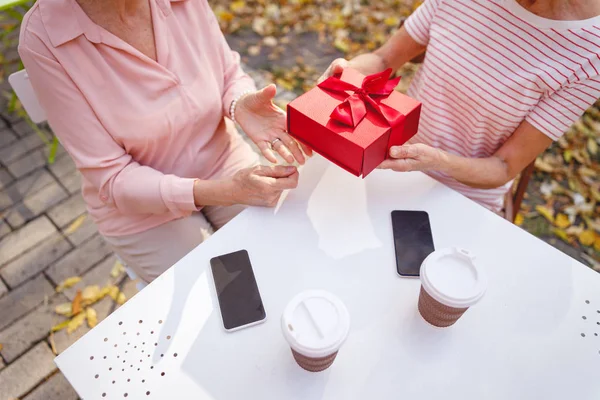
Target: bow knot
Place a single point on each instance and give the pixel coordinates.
(354, 108)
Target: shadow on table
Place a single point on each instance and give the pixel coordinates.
(237, 357)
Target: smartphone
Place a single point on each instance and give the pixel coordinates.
(413, 240)
(237, 291)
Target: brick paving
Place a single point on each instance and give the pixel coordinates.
(38, 203)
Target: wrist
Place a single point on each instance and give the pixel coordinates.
(213, 193)
(237, 106)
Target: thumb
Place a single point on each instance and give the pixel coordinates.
(266, 94)
(277, 171)
(338, 66)
(401, 152)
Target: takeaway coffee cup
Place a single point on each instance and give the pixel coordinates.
(451, 282)
(315, 324)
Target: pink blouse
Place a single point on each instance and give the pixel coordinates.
(140, 131)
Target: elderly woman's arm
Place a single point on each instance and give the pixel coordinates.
(483, 173)
(261, 120)
(122, 182)
(546, 122)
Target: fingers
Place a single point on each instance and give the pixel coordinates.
(283, 151)
(276, 171)
(289, 182)
(307, 150)
(265, 149)
(336, 67)
(293, 147)
(405, 165)
(406, 151)
(266, 94)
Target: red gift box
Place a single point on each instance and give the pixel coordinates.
(353, 120)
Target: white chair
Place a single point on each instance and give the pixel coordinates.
(20, 83)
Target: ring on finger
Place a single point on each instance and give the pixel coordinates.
(273, 142)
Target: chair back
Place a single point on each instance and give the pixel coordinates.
(20, 83)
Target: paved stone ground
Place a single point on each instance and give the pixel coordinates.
(38, 204)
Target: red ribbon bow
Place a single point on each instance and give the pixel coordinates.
(354, 108)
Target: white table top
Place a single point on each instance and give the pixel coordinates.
(524, 340)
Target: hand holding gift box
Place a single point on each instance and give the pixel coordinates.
(353, 120)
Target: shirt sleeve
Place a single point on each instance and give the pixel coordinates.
(556, 112)
(419, 22)
(120, 180)
(236, 81)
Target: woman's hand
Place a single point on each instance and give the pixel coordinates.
(255, 186)
(266, 125)
(414, 157)
(336, 67)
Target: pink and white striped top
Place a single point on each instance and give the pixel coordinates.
(490, 64)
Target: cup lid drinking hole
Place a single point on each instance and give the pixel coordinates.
(315, 323)
(452, 277)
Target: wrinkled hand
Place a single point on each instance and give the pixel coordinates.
(336, 67)
(266, 125)
(413, 157)
(262, 185)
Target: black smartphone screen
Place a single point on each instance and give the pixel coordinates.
(237, 291)
(412, 240)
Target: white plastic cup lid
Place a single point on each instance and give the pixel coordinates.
(315, 323)
(451, 276)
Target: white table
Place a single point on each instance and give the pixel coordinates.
(524, 340)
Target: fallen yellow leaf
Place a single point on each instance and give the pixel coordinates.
(104, 291)
(64, 309)
(587, 238)
(595, 193)
(60, 326)
(561, 234)
(121, 298)
(113, 292)
(391, 21)
(543, 166)
(562, 221)
(76, 322)
(519, 219)
(585, 171)
(237, 6)
(90, 293)
(117, 269)
(75, 224)
(67, 283)
(545, 212)
(92, 317)
(568, 156)
(225, 16)
(52, 344)
(341, 45)
(76, 304)
(337, 22)
(592, 146)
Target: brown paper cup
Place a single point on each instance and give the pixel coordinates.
(314, 364)
(436, 313)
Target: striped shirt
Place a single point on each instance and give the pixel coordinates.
(490, 64)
